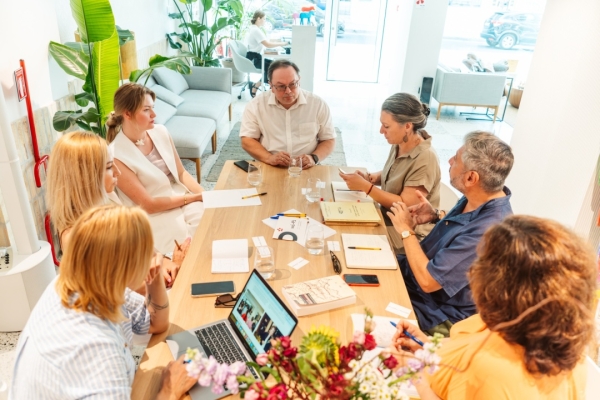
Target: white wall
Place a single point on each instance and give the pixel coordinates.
(395, 43)
(556, 140)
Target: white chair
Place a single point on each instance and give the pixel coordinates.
(238, 51)
(593, 380)
(448, 197)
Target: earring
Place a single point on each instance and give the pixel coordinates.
(405, 138)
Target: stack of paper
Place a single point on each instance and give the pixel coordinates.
(370, 252)
(341, 192)
(230, 256)
(274, 223)
(318, 295)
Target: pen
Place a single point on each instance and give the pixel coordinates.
(177, 244)
(364, 248)
(347, 190)
(407, 333)
(254, 195)
(288, 215)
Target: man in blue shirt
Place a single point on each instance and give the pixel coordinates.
(435, 270)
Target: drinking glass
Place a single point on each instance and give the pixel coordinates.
(295, 167)
(314, 239)
(313, 190)
(264, 261)
(254, 175)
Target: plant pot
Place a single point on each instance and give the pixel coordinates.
(236, 76)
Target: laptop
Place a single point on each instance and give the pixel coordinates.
(258, 316)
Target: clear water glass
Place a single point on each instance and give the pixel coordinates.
(313, 190)
(254, 175)
(314, 239)
(264, 261)
(295, 167)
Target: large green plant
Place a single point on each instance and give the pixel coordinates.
(202, 37)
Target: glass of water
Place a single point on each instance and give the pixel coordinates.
(254, 175)
(314, 239)
(264, 261)
(313, 190)
(295, 167)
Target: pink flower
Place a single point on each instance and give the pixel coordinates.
(390, 362)
(285, 342)
(370, 342)
(221, 374)
(290, 352)
(359, 337)
(251, 395)
(237, 368)
(278, 392)
(232, 384)
(262, 359)
(205, 378)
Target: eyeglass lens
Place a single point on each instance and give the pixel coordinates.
(291, 86)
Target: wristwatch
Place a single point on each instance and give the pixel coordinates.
(407, 234)
(316, 158)
(439, 214)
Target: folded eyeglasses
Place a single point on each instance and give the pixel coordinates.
(225, 301)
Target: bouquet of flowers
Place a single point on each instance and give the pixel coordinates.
(320, 367)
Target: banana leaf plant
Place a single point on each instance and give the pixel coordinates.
(202, 37)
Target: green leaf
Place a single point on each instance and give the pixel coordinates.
(206, 4)
(106, 71)
(187, 1)
(125, 35)
(73, 62)
(82, 99)
(135, 75)
(63, 120)
(79, 46)
(176, 16)
(195, 26)
(83, 125)
(94, 19)
(173, 44)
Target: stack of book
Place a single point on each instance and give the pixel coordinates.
(318, 295)
(347, 213)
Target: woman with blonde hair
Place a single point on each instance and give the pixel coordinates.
(152, 175)
(533, 284)
(74, 345)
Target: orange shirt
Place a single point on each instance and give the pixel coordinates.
(497, 370)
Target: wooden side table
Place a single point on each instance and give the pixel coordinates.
(514, 97)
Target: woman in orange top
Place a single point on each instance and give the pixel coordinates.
(533, 284)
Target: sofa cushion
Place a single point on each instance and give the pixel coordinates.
(150, 83)
(163, 111)
(170, 79)
(191, 135)
(204, 103)
(167, 96)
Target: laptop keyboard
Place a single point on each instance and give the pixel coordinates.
(218, 341)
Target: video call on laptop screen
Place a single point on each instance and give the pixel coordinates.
(260, 317)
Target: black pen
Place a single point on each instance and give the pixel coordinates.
(254, 195)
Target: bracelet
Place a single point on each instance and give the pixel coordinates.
(184, 199)
(371, 188)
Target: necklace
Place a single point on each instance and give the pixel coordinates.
(141, 142)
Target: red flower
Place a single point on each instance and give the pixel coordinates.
(370, 342)
(390, 362)
(285, 342)
(287, 366)
(278, 392)
(290, 352)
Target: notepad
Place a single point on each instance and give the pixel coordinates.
(341, 192)
(230, 198)
(230, 256)
(335, 213)
(369, 259)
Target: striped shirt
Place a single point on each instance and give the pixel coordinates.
(66, 354)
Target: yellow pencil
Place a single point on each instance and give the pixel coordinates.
(254, 195)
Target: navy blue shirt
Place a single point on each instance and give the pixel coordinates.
(451, 249)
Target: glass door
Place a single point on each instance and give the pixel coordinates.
(353, 33)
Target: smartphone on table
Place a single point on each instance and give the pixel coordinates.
(361, 280)
(212, 288)
(242, 165)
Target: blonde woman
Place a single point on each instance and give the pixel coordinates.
(81, 175)
(74, 345)
(152, 175)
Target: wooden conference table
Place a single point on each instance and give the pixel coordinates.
(284, 192)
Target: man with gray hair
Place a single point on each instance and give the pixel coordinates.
(435, 270)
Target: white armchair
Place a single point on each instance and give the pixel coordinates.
(477, 89)
(238, 51)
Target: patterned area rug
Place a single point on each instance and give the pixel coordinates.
(232, 150)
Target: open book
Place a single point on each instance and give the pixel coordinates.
(318, 295)
(342, 193)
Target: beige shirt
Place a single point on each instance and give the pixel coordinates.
(420, 167)
(296, 131)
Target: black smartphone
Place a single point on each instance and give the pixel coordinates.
(242, 165)
(361, 280)
(212, 288)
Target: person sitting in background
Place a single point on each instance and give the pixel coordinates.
(68, 198)
(256, 40)
(533, 284)
(435, 270)
(74, 345)
(412, 164)
(152, 175)
(288, 121)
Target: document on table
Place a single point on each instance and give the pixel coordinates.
(327, 231)
(230, 198)
(341, 192)
(230, 256)
(384, 330)
(362, 257)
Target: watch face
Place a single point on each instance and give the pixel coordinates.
(406, 234)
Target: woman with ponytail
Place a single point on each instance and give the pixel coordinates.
(152, 175)
(411, 166)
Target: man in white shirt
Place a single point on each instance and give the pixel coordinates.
(287, 121)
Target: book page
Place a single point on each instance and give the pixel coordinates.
(342, 193)
(319, 291)
(384, 258)
(230, 256)
(349, 212)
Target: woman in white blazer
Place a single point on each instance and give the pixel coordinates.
(152, 175)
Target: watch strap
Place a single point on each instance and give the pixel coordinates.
(315, 158)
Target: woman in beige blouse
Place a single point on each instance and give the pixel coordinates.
(412, 164)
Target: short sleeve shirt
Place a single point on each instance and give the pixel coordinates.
(451, 249)
(297, 130)
(420, 167)
(479, 364)
(255, 38)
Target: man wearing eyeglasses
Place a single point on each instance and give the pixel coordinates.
(287, 121)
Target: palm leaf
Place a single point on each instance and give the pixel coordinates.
(73, 62)
(94, 19)
(105, 62)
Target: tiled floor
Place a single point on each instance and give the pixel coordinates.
(355, 109)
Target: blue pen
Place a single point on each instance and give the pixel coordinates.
(407, 333)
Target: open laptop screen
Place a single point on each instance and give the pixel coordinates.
(259, 315)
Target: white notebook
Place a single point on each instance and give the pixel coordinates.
(342, 193)
(230, 256)
(384, 258)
